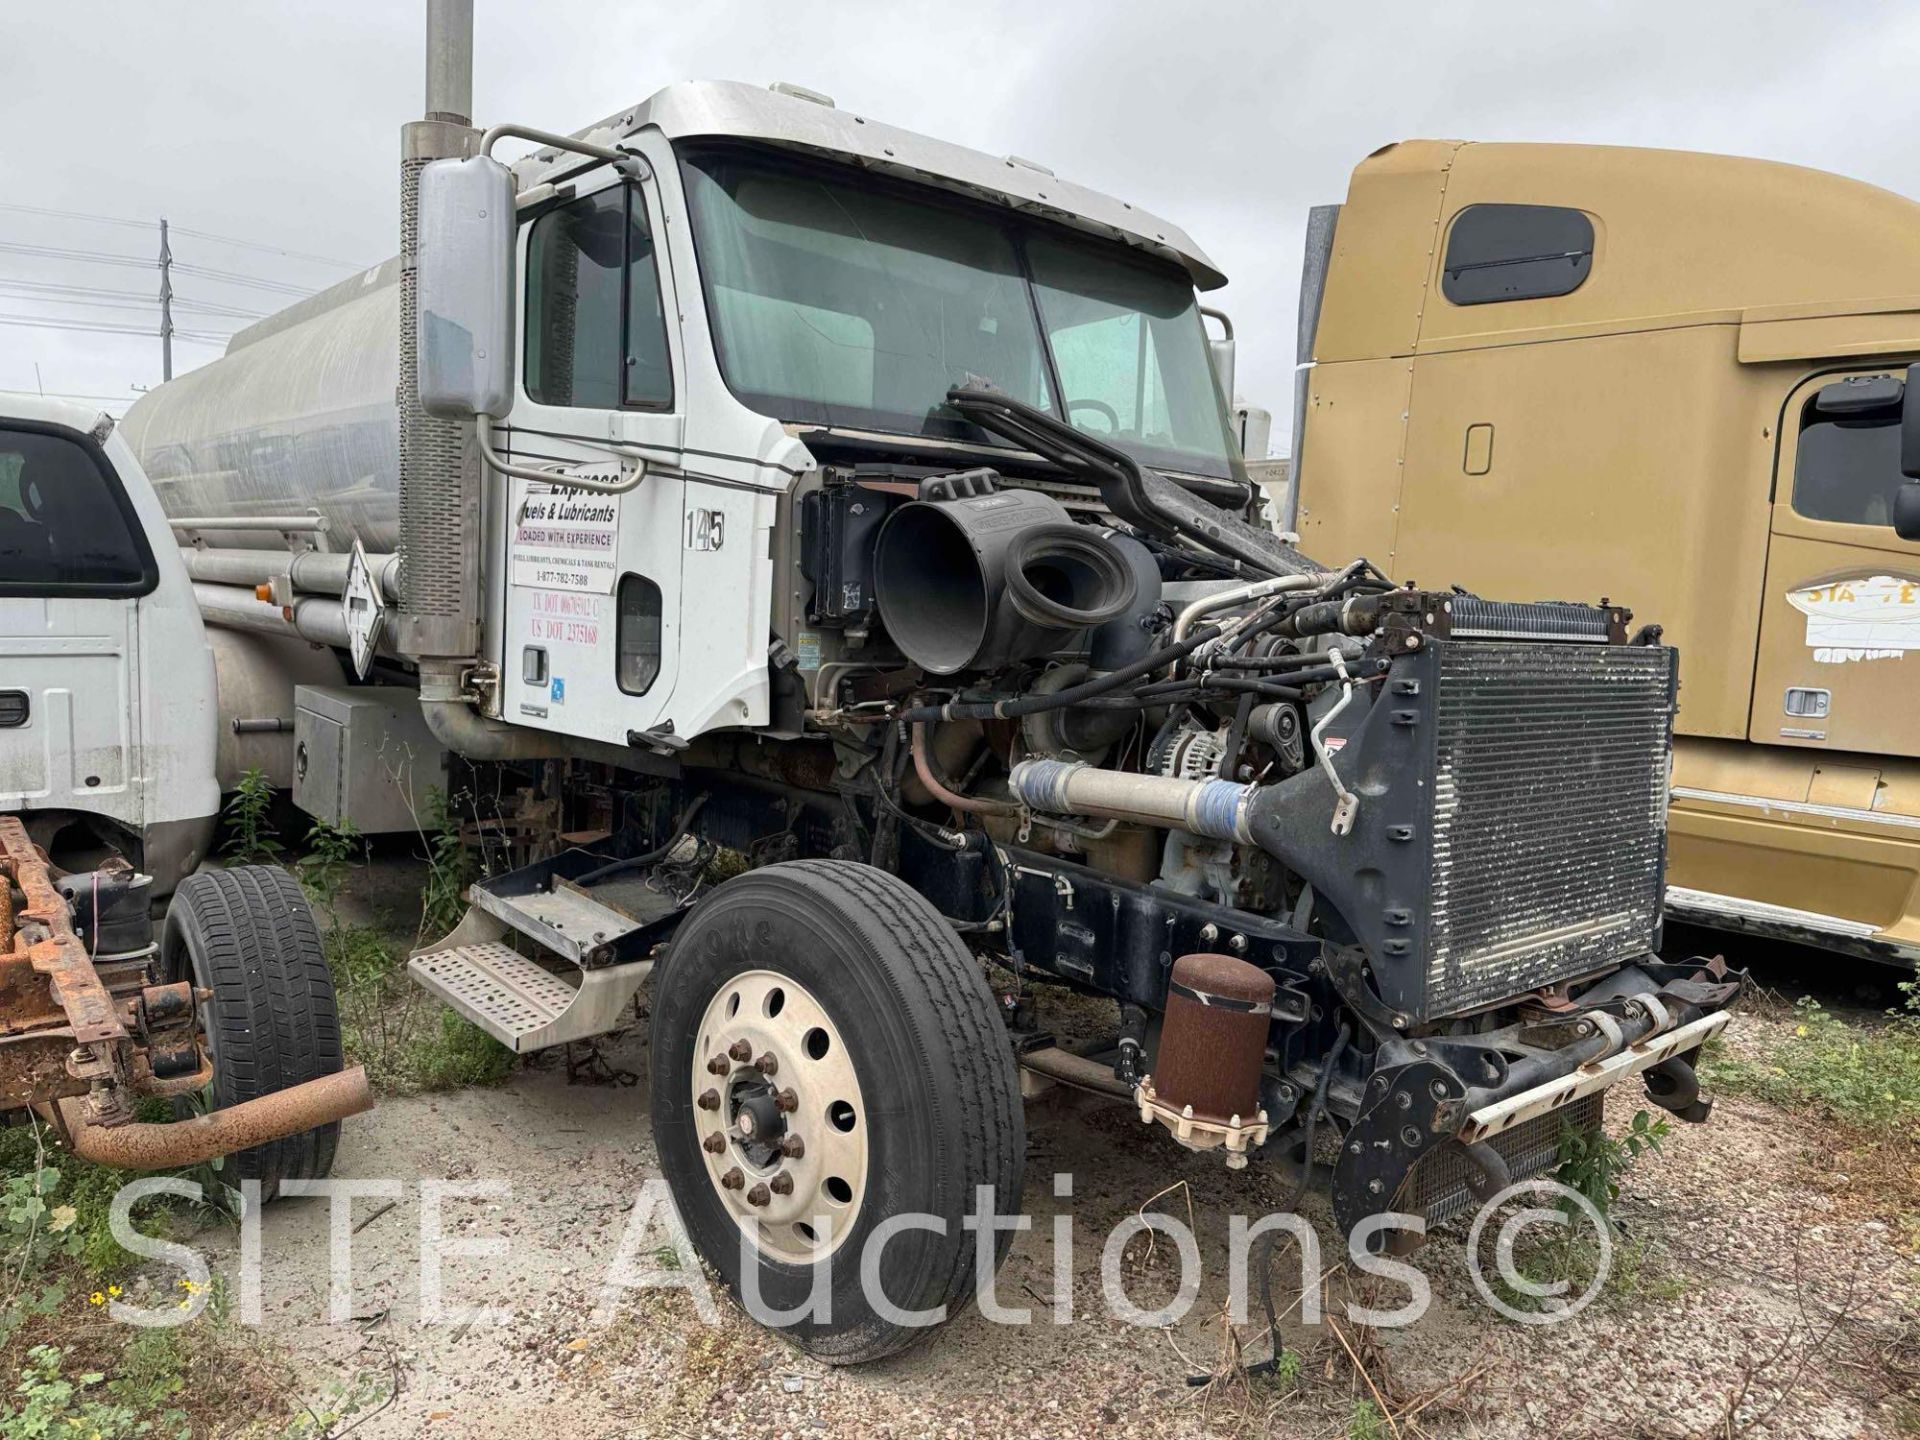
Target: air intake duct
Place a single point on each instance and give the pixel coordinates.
(972, 577)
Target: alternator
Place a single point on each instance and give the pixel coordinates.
(1187, 750)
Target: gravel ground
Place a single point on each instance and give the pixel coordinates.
(1770, 1276)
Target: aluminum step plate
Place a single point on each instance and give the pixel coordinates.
(520, 1004)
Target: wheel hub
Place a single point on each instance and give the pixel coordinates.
(780, 1115)
(758, 1125)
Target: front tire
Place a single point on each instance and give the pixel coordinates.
(248, 935)
(828, 1004)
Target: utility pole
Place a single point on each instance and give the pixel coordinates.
(166, 304)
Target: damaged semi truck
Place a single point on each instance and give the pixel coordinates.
(769, 480)
(1696, 372)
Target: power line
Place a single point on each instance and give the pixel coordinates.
(53, 291)
(92, 257)
(54, 287)
(215, 308)
(75, 215)
(268, 249)
(36, 322)
(103, 257)
(137, 303)
(183, 230)
(232, 278)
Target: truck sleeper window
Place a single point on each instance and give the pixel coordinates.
(1847, 467)
(596, 331)
(1516, 252)
(64, 523)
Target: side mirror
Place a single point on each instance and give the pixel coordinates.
(1906, 500)
(1220, 351)
(463, 327)
(1906, 511)
(1910, 425)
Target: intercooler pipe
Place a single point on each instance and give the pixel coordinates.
(312, 571)
(320, 619)
(1216, 809)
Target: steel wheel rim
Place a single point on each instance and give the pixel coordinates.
(785, 1148)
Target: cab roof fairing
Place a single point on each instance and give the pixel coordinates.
(726, 109)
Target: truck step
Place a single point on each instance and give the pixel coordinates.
(521, 1004)
(619, 919)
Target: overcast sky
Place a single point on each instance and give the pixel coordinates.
(278, 123)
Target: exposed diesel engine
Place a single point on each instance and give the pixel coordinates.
(1411, 841)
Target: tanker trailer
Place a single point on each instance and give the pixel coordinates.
(835, 534)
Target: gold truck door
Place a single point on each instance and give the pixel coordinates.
(1839, 661)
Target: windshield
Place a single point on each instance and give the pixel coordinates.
(838, 300)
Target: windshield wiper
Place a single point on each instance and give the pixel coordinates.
(1141, 497)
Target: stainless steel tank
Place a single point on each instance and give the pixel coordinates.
(298, 415)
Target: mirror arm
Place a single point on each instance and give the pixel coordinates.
(483, 428)
(627, 162)
(1226, 321)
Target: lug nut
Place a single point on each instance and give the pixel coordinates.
(792, 1146)
(718, 1065)
(740, 1050)
(758, 1195)
(733, 1179)
(714, 1144)
(709, 1100)
(766, 1064)
(786, 1102)
(782, 1184)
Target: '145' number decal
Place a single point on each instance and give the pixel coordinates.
(706, 529)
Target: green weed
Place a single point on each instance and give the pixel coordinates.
(333, 852)
(449, 868)
(251, 838)
(48, 1401)
(1868, 1079)
(1592, 1160)
(406, 1041)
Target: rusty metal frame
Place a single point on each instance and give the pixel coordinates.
(50, 994)
(77, 1045)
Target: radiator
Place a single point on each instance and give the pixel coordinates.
(1548, 813)
(1440, 1186)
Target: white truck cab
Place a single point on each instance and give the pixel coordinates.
(107, 713)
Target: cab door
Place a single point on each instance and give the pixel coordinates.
(591, 622)
(1839, 660)
(73, 563)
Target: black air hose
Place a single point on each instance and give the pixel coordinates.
(659, 852)
(1061, 699)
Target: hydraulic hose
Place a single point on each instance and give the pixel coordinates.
(1061, 699)
(659, 852)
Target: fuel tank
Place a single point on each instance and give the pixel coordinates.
(297, 416)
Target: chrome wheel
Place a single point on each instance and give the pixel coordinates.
(780, 1116)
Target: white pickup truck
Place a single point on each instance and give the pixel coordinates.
(108, 797)
(107, 726)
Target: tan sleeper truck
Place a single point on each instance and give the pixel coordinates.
(1576, 371)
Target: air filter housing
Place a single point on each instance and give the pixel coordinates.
(974, 577)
